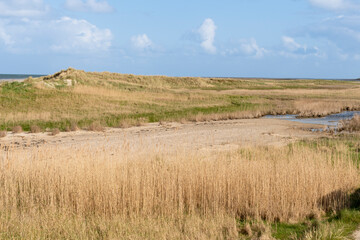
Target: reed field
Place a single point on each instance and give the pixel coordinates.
(84, 193)
(73, 97)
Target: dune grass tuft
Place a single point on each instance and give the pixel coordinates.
(55, 131)
(17, 129)
(96, 127)
(35, 129)
(3, 134)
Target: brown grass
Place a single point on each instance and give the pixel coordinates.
(352, 125)
(74, 127)
(55, 131)
(320, 108)
(3, 134)
(96, 127)
(17, 129)
(107, 193)
(268, 184)
(35, 129)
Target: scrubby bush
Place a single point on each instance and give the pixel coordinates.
(55, 131)
(3, 134)
(17, 129)
(35, 129)
(96, 127)
(351, 125)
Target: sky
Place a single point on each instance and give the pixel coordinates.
(208, 38)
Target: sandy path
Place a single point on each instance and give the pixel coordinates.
(356, 235)
(219, 135)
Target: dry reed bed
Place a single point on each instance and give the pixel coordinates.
(351, 125)
(274, 184)
(320, 108)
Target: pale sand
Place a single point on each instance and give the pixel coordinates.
(356, 235)
(170, 137)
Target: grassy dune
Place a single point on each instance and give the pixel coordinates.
(74, 97)
(86, 194)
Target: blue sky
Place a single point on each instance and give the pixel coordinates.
(233, 38)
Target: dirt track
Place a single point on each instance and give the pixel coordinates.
(220, 135)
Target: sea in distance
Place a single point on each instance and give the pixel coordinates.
(4, 77)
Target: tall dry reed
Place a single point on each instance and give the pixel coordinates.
(274, 184)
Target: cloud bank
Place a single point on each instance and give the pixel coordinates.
(65, 35)
(22, 8)
(79, 35)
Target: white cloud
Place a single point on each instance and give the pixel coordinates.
(207, 34)
(247, 47)
(141, 42)
(88, 6)
(23, 8)
(4, 37)
(329, 4)
(65, 35)
(250, 47)
(79, 35)
(295, 49)
(335, 4)
(291, 44)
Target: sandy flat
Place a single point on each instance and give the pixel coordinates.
(217, 135)
(356, 235)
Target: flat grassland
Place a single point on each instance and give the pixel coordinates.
(303, 189)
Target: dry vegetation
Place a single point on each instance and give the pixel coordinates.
(55, 131)
(96, 194)
(17, 129)
(3, 134)
(35, 129)
(352, 125)
(121, 100)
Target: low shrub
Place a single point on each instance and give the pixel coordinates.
(96, 127)
(351, 125)
(17, 129)
(3, 134)
(55, 131)
(35, 129)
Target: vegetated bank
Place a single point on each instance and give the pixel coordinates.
(77, 98)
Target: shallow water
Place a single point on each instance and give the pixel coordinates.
(330, 120)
